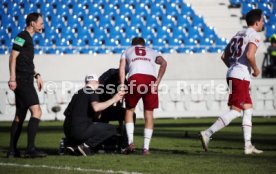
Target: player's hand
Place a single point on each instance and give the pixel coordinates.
(154, 88)
(119, 96)
(122, 87)
(39, 83)
(256, 72)
(12, 84)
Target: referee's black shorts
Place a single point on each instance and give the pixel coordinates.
(25, 94)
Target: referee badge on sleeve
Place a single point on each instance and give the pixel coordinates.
(19, 41)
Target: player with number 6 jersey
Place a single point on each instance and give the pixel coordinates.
(139, 62)
(239, 57)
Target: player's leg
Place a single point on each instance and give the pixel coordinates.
(148, 114)
(150, 101)
(236, 97)
(132, 98)
(220, 123)
(130, 126)
(15, 132)
(247, 122)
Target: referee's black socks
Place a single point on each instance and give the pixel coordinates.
(16, 129)
(32, 129)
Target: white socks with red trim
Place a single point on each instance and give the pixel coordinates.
(147, 137)
(222, 122)
(130, 132)
(247, 126)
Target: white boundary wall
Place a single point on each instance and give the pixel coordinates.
(198, 71)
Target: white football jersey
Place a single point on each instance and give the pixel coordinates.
(140, 60)
(239, 65)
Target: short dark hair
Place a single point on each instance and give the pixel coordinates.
(253, 16)
(138, 41)
(32, 17)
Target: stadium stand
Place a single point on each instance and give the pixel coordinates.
(269, 11)
(104, 26)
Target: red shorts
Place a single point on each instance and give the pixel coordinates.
(139, 87)
(239, 92)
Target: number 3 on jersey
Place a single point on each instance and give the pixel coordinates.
(140, 51)
(236, 47)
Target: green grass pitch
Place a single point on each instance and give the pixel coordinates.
(175, 148)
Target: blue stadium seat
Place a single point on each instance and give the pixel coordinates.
(235, 3)
(104, 19)
(156, 8)
(37, 38)
(6, 19)
(46, 7)
(29, 8)
(117, 50)
(186, 9)
(73, 20)
(190, 42)
(62, 9)
(194, 33)
(85, 51)
(94, 9)
(4, 38)
(246, 8)
(205, 41)
(209, 32)
(221, 42)
(140, 9)
(183, 50)
(199, 50)
(270, 30)
(251, 1)
(83, 33)
(2, 50)
(159, 42)
(79, 9)
(173, 41)
(272, 19)
(182, 20)
(265, 7)
(111, 23)
(171, 7)
(125, 42)
(197, 21)
(131, 32)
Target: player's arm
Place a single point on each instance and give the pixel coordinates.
(12, 66)
(100, 106)
(250, 54)
(122, 72)
(163, 66)
(226, 55)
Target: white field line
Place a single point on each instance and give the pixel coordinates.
(66, 168)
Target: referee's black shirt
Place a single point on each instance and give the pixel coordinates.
(23, 43)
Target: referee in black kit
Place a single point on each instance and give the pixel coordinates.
(22, 74)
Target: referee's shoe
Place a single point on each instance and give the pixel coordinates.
(33, 153)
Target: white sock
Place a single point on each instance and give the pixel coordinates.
(130, 132)
(221, 122)
(247, 126)
(147, 137)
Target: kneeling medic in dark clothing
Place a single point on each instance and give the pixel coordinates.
(79, 126)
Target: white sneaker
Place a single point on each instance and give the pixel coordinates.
(204, 140)
(252, 150)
